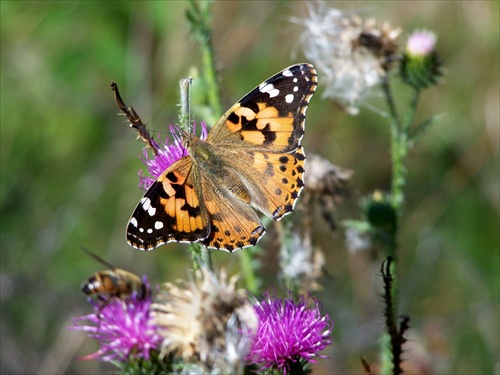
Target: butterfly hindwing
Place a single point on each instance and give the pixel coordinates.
(234, 223)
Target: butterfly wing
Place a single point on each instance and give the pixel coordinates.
(257, 161)
(234, 223)
(271, 117)
(171, 210)
(259, 138)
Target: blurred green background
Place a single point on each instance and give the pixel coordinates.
(69, 173)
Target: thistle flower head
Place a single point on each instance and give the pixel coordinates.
(207, 320)
(421, 43)
(123, 328)
(167, 154)
(353, 55)
(289, 333)
(421, 66)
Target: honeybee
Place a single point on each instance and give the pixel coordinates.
(113, 282)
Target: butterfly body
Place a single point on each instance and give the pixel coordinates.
(251, 160)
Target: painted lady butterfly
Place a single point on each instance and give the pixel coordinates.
(251, 159)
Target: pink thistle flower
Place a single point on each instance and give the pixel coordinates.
(421, 43)
(168, 153)
(289, 333)
(123, 328)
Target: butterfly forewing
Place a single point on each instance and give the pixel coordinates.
(271, 117)
(171, 210)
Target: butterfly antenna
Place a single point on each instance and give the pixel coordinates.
(134, 119)
(97, 257)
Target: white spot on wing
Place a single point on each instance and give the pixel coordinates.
(287, 73)
(133, 222)
(146, 203)
(152, 211)
(269, 88)
(158, 225)
(289, 98)
(141, 230)
(150, 231)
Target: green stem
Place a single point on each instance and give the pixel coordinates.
(247, 268)
(412, 110)
(185, 114)
(213, 93)
(398, 154)
(200, 18)
(399, 151)
(390, 102)
(201, 257)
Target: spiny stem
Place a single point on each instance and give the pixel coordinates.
(185, 114)
(199, 15)
(390, 101)
(412, 110)
(201, 257)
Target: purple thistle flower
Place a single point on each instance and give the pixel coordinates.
(123, 328)
(289, 332)
(168, 153)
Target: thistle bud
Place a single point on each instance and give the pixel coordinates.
(380, 213)
(420, 63)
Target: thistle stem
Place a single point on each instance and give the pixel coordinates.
(200, 17)
(398, 153)
(399, 150)
(390, 101)
(185, 114)
(251, 282)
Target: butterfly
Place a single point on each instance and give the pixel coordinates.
(252, 159)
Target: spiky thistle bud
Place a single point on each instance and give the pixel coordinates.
(420, 63)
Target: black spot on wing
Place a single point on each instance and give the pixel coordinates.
(283, 159)
(234, 118)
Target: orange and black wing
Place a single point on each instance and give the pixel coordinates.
(171, 210)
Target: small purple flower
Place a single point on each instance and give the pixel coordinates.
(168, 153)
(123, 328)
(421, 43)
(289, 332)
